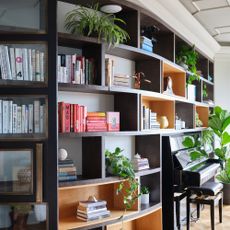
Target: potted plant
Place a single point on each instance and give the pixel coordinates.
(187, 58)
(91, 22)
(119, 165)
(145, 195)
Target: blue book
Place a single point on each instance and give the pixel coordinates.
(146, 47)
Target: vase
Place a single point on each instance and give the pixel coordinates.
(191, 92)
(164, 123)
(145, 198)
(40, 212)
(18, 220)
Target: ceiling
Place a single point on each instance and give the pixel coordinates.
(214, 15)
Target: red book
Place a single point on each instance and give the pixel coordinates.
(97, 129)
(84, 115)
(76, 119)
(96, 122)
(72, 118)
(80, 119)
(61, 117)
(97, 125)
(96, 118)
(67, 117)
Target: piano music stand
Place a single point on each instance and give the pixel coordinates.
(209, 193)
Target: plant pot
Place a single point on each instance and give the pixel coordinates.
(18, 220)
(191, 92)
(226, 192)
(40, 212)
(145, 198)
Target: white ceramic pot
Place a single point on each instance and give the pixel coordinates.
(144, 198)
(191, 92)
(40, 212)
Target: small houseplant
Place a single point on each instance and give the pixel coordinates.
(187, 57)
(91, 22)
(145, 195)
(119, 165)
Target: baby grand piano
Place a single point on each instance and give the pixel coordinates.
(179, 172)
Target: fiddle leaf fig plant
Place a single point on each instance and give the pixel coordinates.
(119, 165)
(91, 22)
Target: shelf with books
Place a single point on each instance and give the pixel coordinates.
(23, 117)
(173, 80)
(23, 63)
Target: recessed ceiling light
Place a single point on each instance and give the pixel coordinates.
(111, 9)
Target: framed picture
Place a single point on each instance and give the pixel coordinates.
(23, 216)
(21, 171)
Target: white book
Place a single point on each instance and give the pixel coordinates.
(33, 59)
(19, 119)
(42, 66)
(7, 60)
(5, 117)
(30, 67)
(42, 118)
(18, 64)
(68, 68)
(0, 116)
(3, 63)
(36, 116)
(31, 118)
(25, 64)
(10, 118)
(12, 63)
(27, 119)
(59, 68)
(23, 118)
(37, 66)
(77, 75)
(14, 118)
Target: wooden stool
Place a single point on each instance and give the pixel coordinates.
(210, 193)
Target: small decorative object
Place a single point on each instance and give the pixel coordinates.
(110, 8)
(199, 123)
(150, 32)
(113, 121)
(191, 92)
(145, 195)
(90, 22)
(140, 163)
(164, 123)
(25, 176)
(168, 86)
(62, 154)
(139, 78)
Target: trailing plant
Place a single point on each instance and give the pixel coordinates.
(91, 22)
(205, 93)
(187, 55)
(145, 190)
(119, 165)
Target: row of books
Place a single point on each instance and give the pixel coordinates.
(149, 119)
(21, 64)
(75, 69)
(75, 118)
(66, 170)
(146, 44)
(21, 118)
(92, 210)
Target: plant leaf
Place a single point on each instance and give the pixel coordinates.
(225, 138)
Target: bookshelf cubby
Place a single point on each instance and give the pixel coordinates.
(203, 112)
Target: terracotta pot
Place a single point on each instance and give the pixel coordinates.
(19, 221)
(226, 192)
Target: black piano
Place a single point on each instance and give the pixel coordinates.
(179, 172)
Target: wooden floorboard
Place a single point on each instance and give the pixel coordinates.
(204, 222)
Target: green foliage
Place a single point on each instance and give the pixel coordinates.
(22, 208)
(189, 56)
(224, 175)
(205, 93)
(145, 190)
(119, 165)
(89, 22)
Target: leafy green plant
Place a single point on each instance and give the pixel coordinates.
(198, 122)
(89, 22)
(187, 55)
(22, 208)
(145, 190)
(205, 92)
(224, 175)
(119, 165)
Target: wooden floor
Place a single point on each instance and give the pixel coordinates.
(204, 222)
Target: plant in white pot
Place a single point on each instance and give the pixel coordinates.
(145, 195)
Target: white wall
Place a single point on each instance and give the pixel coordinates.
(222, 78)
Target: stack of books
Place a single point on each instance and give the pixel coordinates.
(75, 69)
(146, 44)
(96, 122)
(66, 171)
(149, 119)
(21, 64)
(92, 210)
(140, 163)
(121, 80)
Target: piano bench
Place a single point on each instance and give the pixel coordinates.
(209, 193)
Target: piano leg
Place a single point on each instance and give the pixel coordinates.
(212, 210)
(198, 210)
(220, 209)
(188, 212)
(178, 214)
